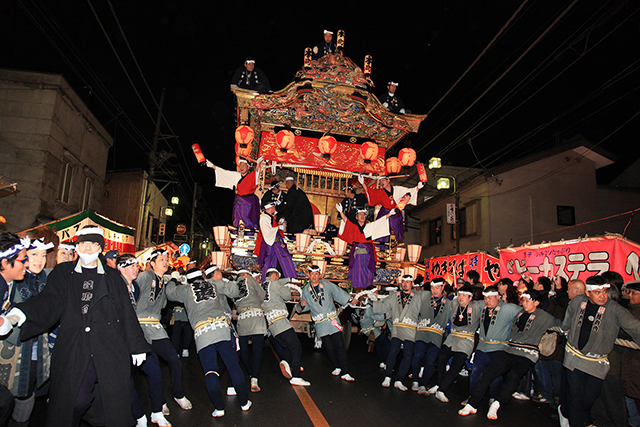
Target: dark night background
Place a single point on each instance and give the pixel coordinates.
(580, 78)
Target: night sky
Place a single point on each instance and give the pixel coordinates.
(579, 74)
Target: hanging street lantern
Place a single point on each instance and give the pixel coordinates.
(393, 165)
(407, 156)
(369, 151)
(244, 134)
(243, 150)
(285, 139)
(327, 146)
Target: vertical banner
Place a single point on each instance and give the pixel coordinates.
(457, 267)
(574, 259)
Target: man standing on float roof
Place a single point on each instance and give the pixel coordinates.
(246, 205)
(326, 47)
(388, 197)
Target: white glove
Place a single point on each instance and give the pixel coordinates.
(339, 207)
(385, 105)
(138, 359)
(209, 164)
(361, 179)
(281, 221)
(6, 326)
(175, 274)
(420, 185)
(16, 316)
(402, 111)
(392, 212)
(260, 160)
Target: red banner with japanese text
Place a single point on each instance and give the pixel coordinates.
(574, 259)
(457, 267)
(305, 152)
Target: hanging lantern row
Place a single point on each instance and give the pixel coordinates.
(244, 135)
(243, 150)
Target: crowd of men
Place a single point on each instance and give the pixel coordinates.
(559, 334)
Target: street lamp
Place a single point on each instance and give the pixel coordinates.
(166, 211)
(175, 200)
(435, 163)
(444, 183)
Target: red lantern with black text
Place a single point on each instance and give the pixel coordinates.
(327, 146)
(407, 157)
(243, 150)
(244, 135)
(285, 139)
(393, 165)
(369, 151)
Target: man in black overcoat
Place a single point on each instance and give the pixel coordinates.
(98, 338)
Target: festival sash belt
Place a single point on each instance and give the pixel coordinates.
(332, 316)
(430, 329)
(465, 335)
(495, 342)
(575, 351)
(210, 321)
(149, 321)
(275, 315)
(247, 312)
(524, 346)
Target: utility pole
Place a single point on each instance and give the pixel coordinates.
(193, 214)
(144, 232)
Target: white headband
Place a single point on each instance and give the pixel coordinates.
(591, 287)
(407, 277)
(527, 295)
(465, 293)
(67, 246)
(90, 230)
(24, 244)
(490, 294)
(328, 32)
(40, 244)
(194, 274)
(392, 84)
(157, 254)
(250, 61)
(437, 282)
(127, 263)
(211, 269)
(243, 271)
(289, 178)
(314, 268)
(268, 205)
(359, 211)
(273, 270)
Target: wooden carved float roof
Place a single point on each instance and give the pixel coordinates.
(332, 96)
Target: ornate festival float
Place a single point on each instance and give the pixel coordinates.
(323, 129)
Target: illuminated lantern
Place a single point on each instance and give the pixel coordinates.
(243, 150)
(285, 139)
(244, 135)
(407, 157)
(369, 151)
(327, 145)
(393, 165)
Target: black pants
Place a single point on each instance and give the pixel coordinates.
(6, 405)
(292, 350)
(181, 336)
(511, 367)
(334, 345)
(252, 360)
(407, 355)
(85, 394)
(166, 352)
(582, 391)
(610, 408)
(447, 378)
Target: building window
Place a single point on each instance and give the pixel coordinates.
(86, 197)
(435, 232)
(65, 182)
(566, 215)
(468, 221)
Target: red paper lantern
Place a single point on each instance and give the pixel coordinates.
(327, 145)
(243, 150)
(244, 135)
(285, 139)
(407, 157)
(393, 165)
(369, 151)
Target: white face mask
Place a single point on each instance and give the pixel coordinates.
(87, 259)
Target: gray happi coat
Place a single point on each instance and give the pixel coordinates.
(525, 343)
(275, 309)
(323, 310)
(203, 301)
(251, 319)
(593, 359)
(405, 319)
(431, 328)
(151, 302)
(461, 338)
(499, 329)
